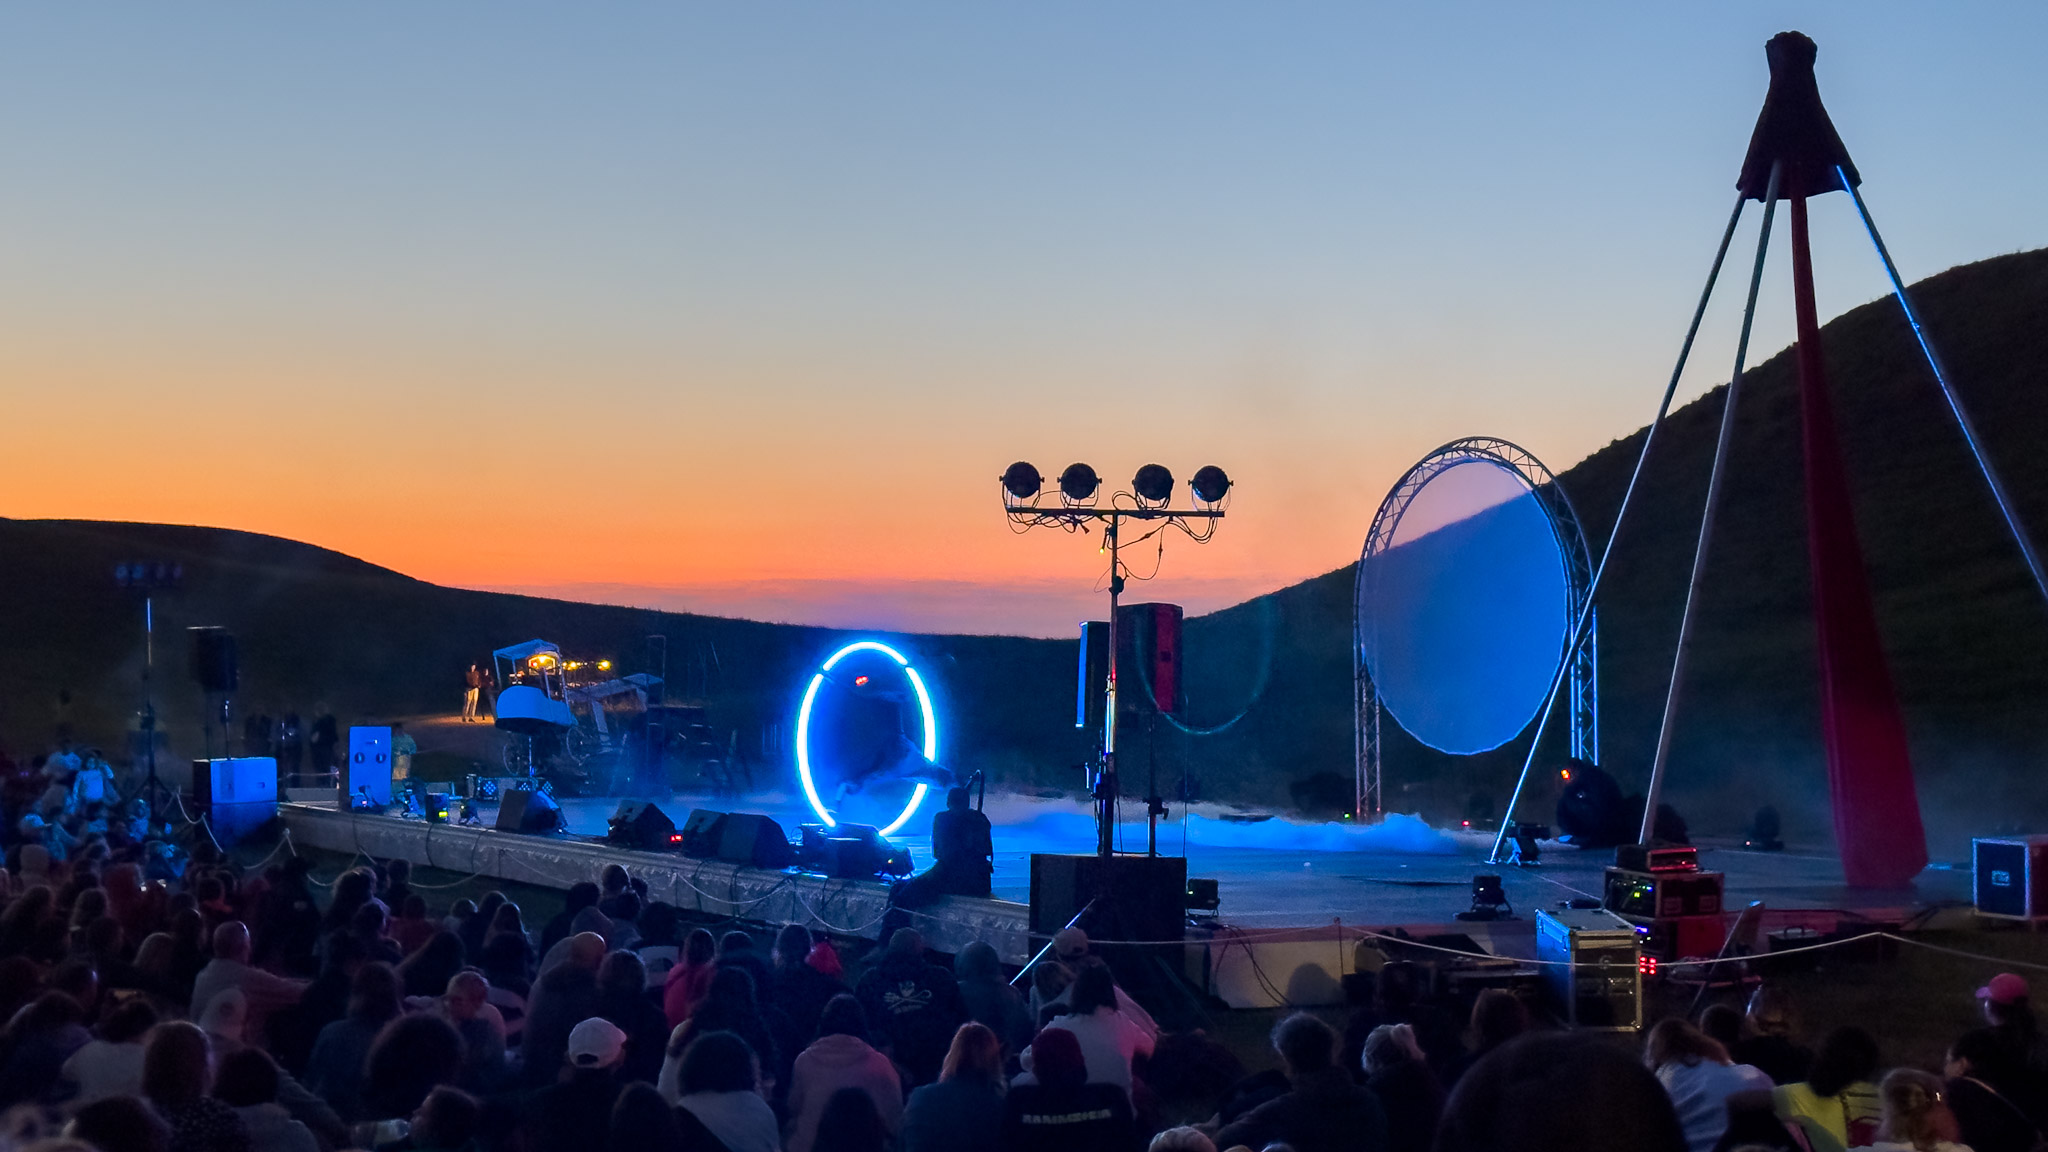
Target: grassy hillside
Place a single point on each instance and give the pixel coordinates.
(1968, 636)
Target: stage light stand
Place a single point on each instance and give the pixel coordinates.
(1153, 491)
(149, 578)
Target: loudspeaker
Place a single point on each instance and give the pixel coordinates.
(1148, 656)
(1140, 898)
(639, 824)
(2011, 877)
(528, 811)
(850, 852)
(213, 663)
(1092, 674)
(236, 796)
(702, 833)
(750, 838)
(367, 771)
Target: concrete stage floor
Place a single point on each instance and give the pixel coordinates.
(1277, 873)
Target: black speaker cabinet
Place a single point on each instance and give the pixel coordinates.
(214, 665)
(1093, 674)
(639, 824)
(752, 839)
(528, 810)
(2011, 881)
(1141, 898)
(703, 833)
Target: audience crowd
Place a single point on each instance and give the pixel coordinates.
(224, 1009)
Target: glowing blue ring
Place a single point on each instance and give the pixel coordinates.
(803, 731)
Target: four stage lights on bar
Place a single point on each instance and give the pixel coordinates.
(1079, 484)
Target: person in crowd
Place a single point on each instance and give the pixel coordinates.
(1398, 1074)
(570, 1112)
(1754, 1126)
(1323, 1110)
(1111, 1043)
(448, 1120)
(111, 1063)
(581, 895)
(1915, 1118)
(561, 999)
(478, 927)
(225, 1023)
(412, 1055)
(642, 1121)
(1769, 1042)
(411, 929)
(719, 1096)
(123, 1123)
(370, 924)
(841, 1057)
(248, 1083)
(294, 1031)
(736, 950)
(1563, 1091)
(1498, 1016)
(1986, 1118)
(1700, 1077)
(1058, 1110)
(622, 999)
(795, 987)
(2022, 1072)
(1836, 1106)
(686, 984)
(472, 687)
(1071, 948)
(1723, 1024)
(613, 881)
(177, 1071)
(335, 1068)
(964, 1109)
(1182, 1139)
(466, 1007)
(427, 971)
(851, 1123)
(37, 1042)
(913, 1005)
(731, 1006)
(625, 930)
(989, 999)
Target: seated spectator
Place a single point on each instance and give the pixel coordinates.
(684, 987)
(2023, 1070)
(231, 968)
(177, 1070)
(561, 999)
(622, 999)
(448, 1120)
(1498, 1016)
(1769, 1044)
(477, 926)
(1071, 947)
(122, 1123)
(583, 894)
(1700, 1077)
(37, 1042)
(643, 1122)
(851, 1123)
(1323, 1110)
(335, 1069)
(411, 929)
(1110, 1041)
(412, 1056)
(989, 999)
(730, 1007)
(1059, 1110)
(466, 1007)
(294, 1031)
(964, 1109)
(1559, 1092)
(1836, 1106)
(1915, 1119)
(1182, 1139)
(1723, 1023)
(1754, 1126)
(572, 1111)
(1398, 1075)
(426, 972)
(1986, 1118)
(795, 987)
(736, 950)
(840, 1058)
(719, 1093)
(111, 1064)
(913, 1006)
(248, 1083)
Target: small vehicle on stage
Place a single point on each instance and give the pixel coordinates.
(533, 704)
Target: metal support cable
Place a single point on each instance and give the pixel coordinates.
(1581, 626)
(1715, 479)
(1955, 404)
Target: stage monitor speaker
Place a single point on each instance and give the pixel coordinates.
(850, 852)
(703, 832)
(752, 839)
(639, 824)
(528, 810)
(1135, 897)
(1092, 675)
(2011, 877)
(1148, 656)
(367, 771)
(213, 662)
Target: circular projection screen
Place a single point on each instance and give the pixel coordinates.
(864, 729)
(1464, 604)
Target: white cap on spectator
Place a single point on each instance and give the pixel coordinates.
(596, 1043)
(1069, 942)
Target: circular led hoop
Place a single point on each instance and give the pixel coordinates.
(803, 731)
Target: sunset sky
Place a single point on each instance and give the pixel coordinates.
(743, 307)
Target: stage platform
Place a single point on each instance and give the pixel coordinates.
(1295, 896)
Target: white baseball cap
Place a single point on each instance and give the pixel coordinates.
(596, 1043)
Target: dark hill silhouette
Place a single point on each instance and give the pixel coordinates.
(1967, 634)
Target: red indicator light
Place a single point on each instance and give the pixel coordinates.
(860, 681)
(1647, 965)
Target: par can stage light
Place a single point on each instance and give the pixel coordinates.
(1022, 481)
(1210, 485)
(1153, 484)
(1079, 483)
